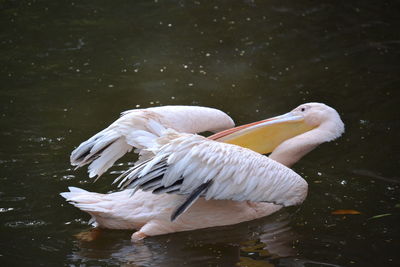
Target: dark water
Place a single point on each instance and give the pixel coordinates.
(68, 68)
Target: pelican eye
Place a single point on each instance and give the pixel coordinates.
(303, 109)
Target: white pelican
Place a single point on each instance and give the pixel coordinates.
(184, 181)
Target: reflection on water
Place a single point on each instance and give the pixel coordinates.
(68, 68)
(261, 241)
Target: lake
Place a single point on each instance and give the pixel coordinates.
(68, 68)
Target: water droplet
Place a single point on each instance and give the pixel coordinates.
(68, 177)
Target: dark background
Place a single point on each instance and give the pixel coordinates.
(69, 68)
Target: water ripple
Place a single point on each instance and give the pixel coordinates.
(26, 224)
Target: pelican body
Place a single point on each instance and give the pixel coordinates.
(183, 181)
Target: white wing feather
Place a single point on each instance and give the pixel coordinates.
(235, 173)
(139, 128)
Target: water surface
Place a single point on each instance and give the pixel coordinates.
(69, 68)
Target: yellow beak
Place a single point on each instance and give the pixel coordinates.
(264, 136)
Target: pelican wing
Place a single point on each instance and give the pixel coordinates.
(195, 166)
(139, 128)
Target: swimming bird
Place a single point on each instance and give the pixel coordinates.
(183, 181)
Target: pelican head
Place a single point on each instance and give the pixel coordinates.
(320, 115)
(290, 136)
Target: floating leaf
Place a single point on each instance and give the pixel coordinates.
(379, 216)
(345, 212)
